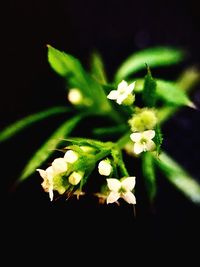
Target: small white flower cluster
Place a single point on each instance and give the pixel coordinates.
(118, 188)
(59, 167)
(142, 138)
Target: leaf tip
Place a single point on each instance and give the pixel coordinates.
(192, 105)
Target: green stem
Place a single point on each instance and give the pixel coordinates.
(123, 140)
(102, 154)
(122, 166)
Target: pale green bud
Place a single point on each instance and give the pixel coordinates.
(129, 100)
(144, 119)
(75, 177)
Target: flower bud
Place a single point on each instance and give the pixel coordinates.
(70, 156)
(75, 177)
(143, 119)
(104, 167)
(128, 100)
(59, 165)
(75, 96)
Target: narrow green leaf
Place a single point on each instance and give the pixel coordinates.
(86, 142)
(119, 129)
(149, 91)
(171, 93)
(97, 68)
(179, 177)
(49, 146)
(149, 174)
(167, 91)
(18, 126)
(70, 68)
(158, 139)
(154, 57)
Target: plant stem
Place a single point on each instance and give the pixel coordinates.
(123, 140)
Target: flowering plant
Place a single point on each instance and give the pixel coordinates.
(132, 110)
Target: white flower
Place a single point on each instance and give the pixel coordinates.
(75, 96)
(70, 156)
(104, 167)
(59, 165)
(143, 141)
(121, 189)
(75, 177)
(122, 93)
(47, 183)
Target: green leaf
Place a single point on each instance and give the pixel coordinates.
(49, 146)
(112, 130)
(97, 68)
(179, 177)
(70, 68)
(18, 126)
(149, 91)
(154, 57)
(171, 93)
(86, 142)
(149, 174)
(167, 91)
(158, 139)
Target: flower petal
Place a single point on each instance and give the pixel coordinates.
(71, 156)
(150, 145)
(135, 137)
(113, 184)
(51, 193)
(42, 173)
(138, 148)
(121, 98)
(59, 165)
(113, 197)
(130, 88)
(128, 184)
(122, 85)
(113, 95)
(129, 197)
(50, 173)
(148, 134)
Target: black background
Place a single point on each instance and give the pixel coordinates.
(115, 29)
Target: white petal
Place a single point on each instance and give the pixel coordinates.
(148, 134)
(113, 184)
(122, 85)
(42, 173)
(59, 166)
(121, 98)
(51, 193)
(150, 145)
(113, 95)
(129, 197)
(71, 156)
(138, 148)
(113, 197)
(128, 184)
(130, 88)
(135, 137)
(104, 167)
(50, 173)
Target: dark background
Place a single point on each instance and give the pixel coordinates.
(115, 29)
